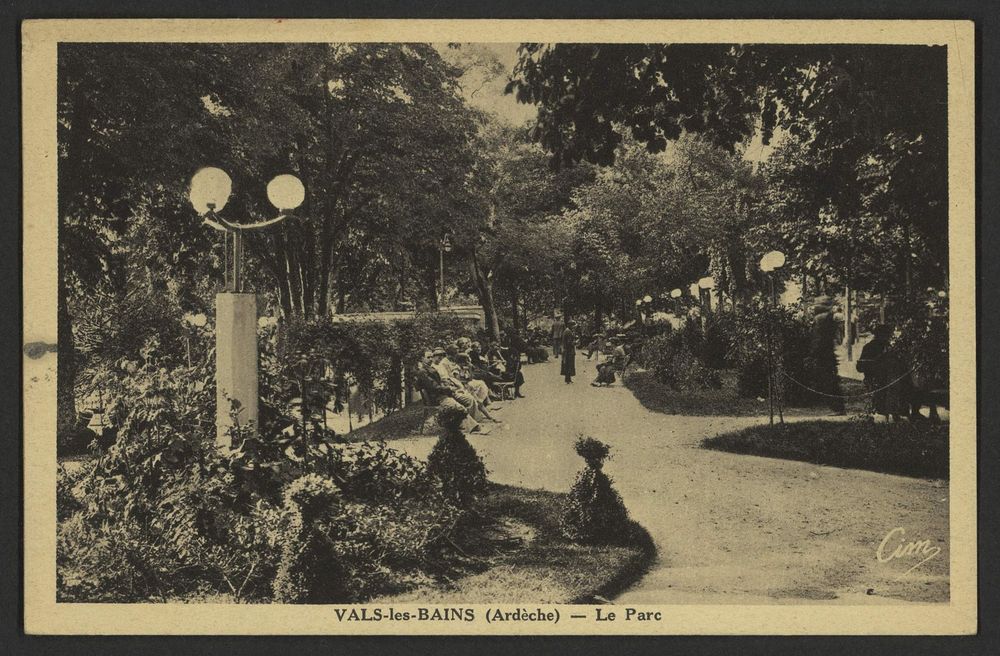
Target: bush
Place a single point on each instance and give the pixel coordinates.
(672, 359)
(454, 461)
(716, 343)
(790, 336)
(67, 490)
(595, 513)
(923, 340)
(310, 569)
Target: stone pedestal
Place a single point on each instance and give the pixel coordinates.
(235, 361)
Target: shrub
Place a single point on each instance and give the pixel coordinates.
(164, 514)
(595, 513)
(68, 489)
(674, 362)
(310, 570)
(454, 461)
(716, 343)
(790, 336)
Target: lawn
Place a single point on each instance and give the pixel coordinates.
(657, 397)
(517, 554)
(918, 449)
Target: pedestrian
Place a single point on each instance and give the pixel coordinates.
(558, 328)
(839, 323)
(568, 368)
(886, 376)
(822, 361)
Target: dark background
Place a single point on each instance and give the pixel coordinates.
(984, 13)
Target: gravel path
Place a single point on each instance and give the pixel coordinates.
(729, 528)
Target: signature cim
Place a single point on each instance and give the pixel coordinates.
(895, 546)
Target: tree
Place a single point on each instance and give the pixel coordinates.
(871, 119)
(524, 243)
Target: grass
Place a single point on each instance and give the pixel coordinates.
(393, 426)
(524, 558)
(918, 449)
(657, 397)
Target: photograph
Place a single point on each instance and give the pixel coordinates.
(514, 335)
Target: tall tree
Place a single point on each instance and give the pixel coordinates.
(873, 117)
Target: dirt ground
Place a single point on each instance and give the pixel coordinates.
(728, 528)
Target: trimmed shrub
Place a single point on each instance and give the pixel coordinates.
(453, 460)
(595, 513)
(310, 571)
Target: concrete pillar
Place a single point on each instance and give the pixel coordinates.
(235, 361)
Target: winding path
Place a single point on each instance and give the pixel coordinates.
(728, 528)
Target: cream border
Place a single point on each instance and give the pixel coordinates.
(43, 616)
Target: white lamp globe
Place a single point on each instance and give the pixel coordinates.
(708, 282)
(647, 299)
(675, 293)
(210, 189)
(772, 260)
(286, 192)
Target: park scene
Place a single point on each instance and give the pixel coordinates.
(449, 323)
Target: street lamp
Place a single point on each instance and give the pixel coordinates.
(676, 295)
(209, 193)
(236, 311)
(771, 261)
(705, 287)
(444, 247)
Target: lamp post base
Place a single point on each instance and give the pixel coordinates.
(235, 363)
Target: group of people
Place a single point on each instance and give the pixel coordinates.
(470, 375)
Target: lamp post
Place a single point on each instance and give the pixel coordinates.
(235, 309)
(705, 286)
(676, 295)
(768, 263)
(443, 247)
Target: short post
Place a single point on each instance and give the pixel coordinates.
(235, 363)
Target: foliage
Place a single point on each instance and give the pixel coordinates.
(454, 461)
(860, 162)
(369, 354)
(789, 335)
(594, 512)
(164, 514)
(310, 571)
(676, 359)
(923, 339)
(593, 451)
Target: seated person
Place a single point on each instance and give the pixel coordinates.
(447, 372)
(512, 372)
(476, 356)
(428, 381)
(596, 345)
(616, 362)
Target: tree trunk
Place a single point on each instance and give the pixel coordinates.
(515, 315)
(484, 290)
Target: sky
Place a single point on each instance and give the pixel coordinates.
(488, 95)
